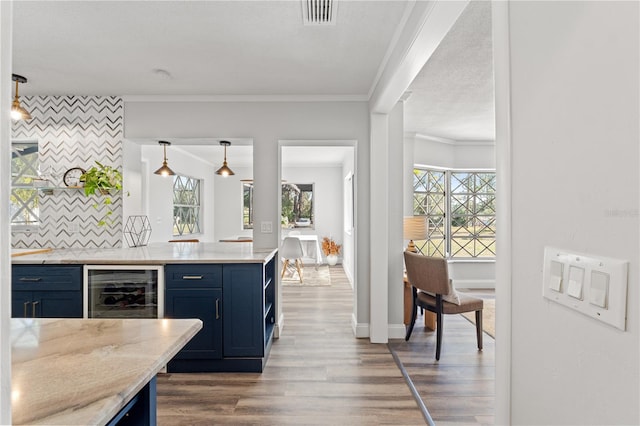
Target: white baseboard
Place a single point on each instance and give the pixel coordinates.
(278, 327)
(474, 283)
(361, 331)
(397, 331)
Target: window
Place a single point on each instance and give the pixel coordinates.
(186, 205)
(24, 203)
(460, 211)
(297, 205)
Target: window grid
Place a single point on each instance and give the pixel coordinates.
(186, 205)
(460, 211)
(24, 199)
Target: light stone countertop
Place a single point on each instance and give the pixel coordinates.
(152, 254)
(83, 371)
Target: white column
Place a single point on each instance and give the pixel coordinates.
(502, 78)
(379, 229)
(395, 212)
(6, 16)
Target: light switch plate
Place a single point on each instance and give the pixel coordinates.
(596, 286)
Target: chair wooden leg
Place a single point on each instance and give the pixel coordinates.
(298, 263)
(414, 312)
(284, 267)
(479, 328)
(438, 334)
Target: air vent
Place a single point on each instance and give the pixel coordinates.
(319, 12)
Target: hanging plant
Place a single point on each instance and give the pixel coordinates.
(102, 179)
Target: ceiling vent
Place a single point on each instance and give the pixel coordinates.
(319, 12)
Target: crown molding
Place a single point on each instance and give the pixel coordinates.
(245, 98)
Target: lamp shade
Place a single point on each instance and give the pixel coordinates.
(414, 228)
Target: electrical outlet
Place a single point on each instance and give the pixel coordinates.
(266, 227)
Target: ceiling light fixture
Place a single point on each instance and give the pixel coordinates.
(164, 170)
(17, 112)
(225, 170)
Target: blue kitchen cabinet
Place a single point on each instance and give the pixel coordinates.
(236, 303)
(44, 291)
(195, 291)
(243, 307)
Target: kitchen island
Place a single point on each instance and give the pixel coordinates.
(86, 371)
(230, 287)
(152, 254)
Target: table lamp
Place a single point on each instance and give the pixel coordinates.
(414, 228)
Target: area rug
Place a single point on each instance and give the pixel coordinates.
(312, 276)
(488, 317)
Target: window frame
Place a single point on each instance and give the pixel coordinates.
(451, 211)
(247, 211)
(196, 206)
(30, 187)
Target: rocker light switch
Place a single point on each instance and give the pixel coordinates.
(555, 277)
(576, 278)
(599, 289)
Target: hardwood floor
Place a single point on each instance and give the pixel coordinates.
(318, 373)
(460, 388)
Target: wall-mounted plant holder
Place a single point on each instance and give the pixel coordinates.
(137, 231)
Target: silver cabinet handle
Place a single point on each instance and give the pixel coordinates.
(217, 308)
(30, 279)
(25, 309)
(192, 277)
(33, 309)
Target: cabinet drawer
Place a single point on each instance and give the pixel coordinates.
(45, 277)
(193, 275)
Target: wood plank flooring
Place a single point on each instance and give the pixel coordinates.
(317, 374)
(460, 388)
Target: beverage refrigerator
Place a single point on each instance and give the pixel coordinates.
(123, 291)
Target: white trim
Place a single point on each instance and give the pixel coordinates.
(397, 331)
(474, 283)
(278, 327)
(360, 331)
(393, 45)
(245, 98)
(429, 23)
(502, 82)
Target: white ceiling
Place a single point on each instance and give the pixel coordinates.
(251, 49)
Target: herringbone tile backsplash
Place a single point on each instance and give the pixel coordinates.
(73, 131)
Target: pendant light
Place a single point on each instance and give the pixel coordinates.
(17, 112)
(225, 170)
(164, 170)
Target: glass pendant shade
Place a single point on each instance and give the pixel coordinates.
(164, 170)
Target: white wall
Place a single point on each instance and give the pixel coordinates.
(575, 185)
(227, 206)
(6, 12)
(159, 190)
(266, 123)
(348, 237)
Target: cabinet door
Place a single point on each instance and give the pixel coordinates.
(243, 310)
(21, 304)
(48, 291)
(202, 303)
(57, 304)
